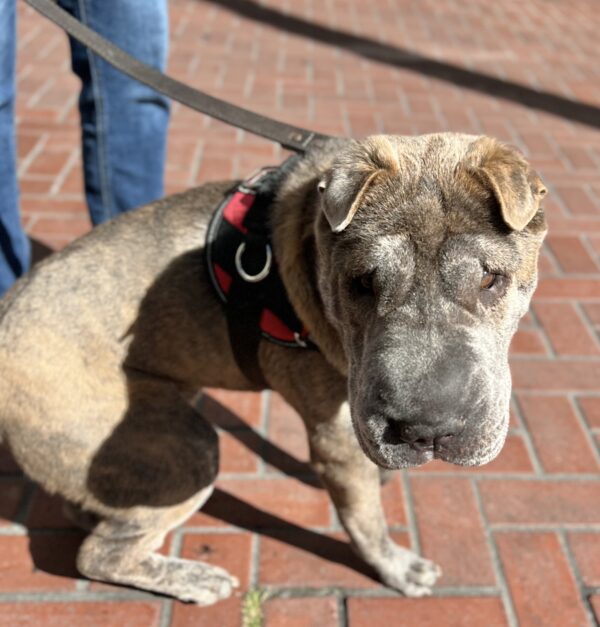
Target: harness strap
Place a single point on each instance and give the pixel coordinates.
(290, 137)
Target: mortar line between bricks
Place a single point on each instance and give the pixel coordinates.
(550, 352)
(34, 99)
(176, 542)
(549, 477)
(542, 527)
(294, 592)
(583, 425)
(64, 114)
(509, 608)
(585, 241)
(580, 359)
(62, 175)
(529, 445)
(546, 393)
(78, 596)
(33, 153)
(586, 322)
(196, 163)
(413, 531)
(557, 268)
(562, 540)
(234, 529)
(510, 476)
(254, 560)
(166, 613)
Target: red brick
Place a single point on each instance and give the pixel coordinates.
(308, 559)
(231, 409)
(590, 406)
(557, 435)
(564, 376)
(287, 433)
(592, 311)
(270, 502)
(37, 185)
(11, 493)
(89, 613)
(546, 502)
(227, 613)
(512, 458)
(236, 452)
(571, 254)
(39, 562)
(451, 530)
(527, 342)
(306, 612)
(434, 612)
(565, 329)
(537, 143)
(577, 200)
(567, 288)
(586, 551)
(541, 584)
(230, 551)
(578, 157)
(60, 228)
(49, 162)
(392, 497)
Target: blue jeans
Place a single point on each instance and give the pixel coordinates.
(123, 123)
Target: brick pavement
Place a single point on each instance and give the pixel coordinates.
(519, 540)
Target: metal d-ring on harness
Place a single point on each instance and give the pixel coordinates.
(259, 276)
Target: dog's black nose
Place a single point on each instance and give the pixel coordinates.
(423, 436)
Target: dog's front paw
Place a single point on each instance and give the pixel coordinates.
(407, 572)
(198, 582)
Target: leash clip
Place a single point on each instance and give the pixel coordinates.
(253, 278)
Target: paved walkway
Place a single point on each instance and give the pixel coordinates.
(519, 540)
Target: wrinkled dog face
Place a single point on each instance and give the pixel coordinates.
(427, 253)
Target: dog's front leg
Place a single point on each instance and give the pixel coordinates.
(352, 481)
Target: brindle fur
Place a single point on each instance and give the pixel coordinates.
(104, 346)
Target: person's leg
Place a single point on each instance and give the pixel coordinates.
(14, 244)
(124, 123)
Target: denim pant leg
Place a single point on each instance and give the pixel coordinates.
(124, 123)
(14, 244)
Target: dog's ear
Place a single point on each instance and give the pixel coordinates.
(344, 186)
(516, 186)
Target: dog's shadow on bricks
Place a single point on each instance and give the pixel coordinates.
(54, 541)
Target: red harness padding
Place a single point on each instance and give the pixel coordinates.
(243, 270)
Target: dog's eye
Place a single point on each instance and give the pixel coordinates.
(363, 285)
(488, 280)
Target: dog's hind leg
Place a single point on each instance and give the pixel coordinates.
(123, 552)
(154, 471)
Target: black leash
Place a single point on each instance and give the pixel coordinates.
(290, 137)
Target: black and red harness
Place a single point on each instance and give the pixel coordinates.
(244, 273)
